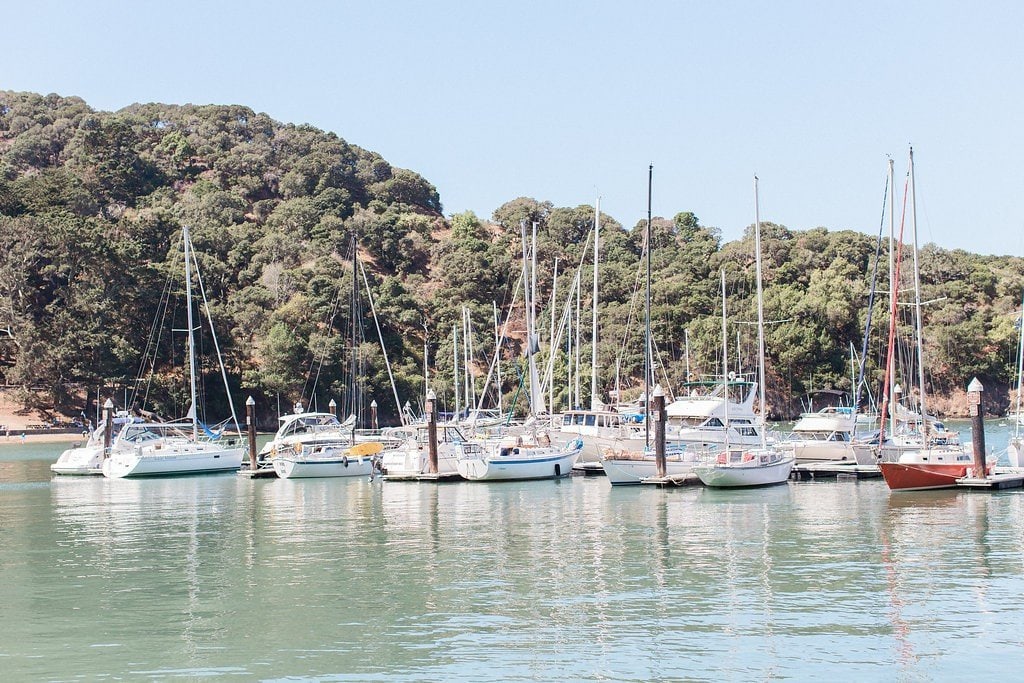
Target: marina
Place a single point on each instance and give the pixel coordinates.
(347, 578)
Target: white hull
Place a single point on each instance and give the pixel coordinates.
(518, 466)
(832, 451)
(178, 459)
(403, 463)
(626, 471)
(746, 469)
(1015, 452)
(86, 460)
(298, 467)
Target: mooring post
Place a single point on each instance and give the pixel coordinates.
(373, 414)
(333, 408)
(974, 390)
(432, 432)
(250, 428)
(108, 427)
(657, 412)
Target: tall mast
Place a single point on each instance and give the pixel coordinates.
(576, 347)
(917, 298)
(593, 321)
(551, 332)
(889, 370)
(455, 369)
(191, 333)
(497, 355)
(760, 314)
(531, 340)
(647, 316)
(725, 364)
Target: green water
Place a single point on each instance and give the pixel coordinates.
(348, 580)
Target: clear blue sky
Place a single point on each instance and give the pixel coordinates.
(563, 101)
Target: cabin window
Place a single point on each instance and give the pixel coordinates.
(713, 422)
(590, 420)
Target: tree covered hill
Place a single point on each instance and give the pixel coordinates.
(91, 205)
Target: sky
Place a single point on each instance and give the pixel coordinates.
(568, 101)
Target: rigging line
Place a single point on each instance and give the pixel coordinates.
(620, 354)
(380, 335)
(216, 344)
(894, 293)
(335, 307)
(497, 350)
(871, 300)
(153, 341)
(566, 312)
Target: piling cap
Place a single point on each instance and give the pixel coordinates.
(897, 389)
(658, 391)
(431, 396)
(333, 404)
(108, 404)
(250, 401)
(975, 386)
(373, 403)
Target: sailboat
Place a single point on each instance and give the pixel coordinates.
(526, 456)
(927, 456)
(165, 448)
(739, 467)
(626, 453)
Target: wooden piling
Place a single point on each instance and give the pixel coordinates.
(432, 432)
(108, 426)
(974, 390)
(658, 413)
(250, 428)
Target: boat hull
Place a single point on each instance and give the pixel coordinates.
(921, 476)
(510, 468)
(144, 462)
(744, 475)
(624, 470)
(306, 468)
(83, 461)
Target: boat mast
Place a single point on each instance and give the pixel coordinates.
(455, 369)
(760, 315)
(593, 321)
(647, 316)
(497, 355)
(1020, 374)
(893, 286)
(917, 301)
(725, 366)
(191, 333)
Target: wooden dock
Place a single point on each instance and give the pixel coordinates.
(261, 472)
(673, 480)
(831, 470)
(424, 476)
(1000, 480)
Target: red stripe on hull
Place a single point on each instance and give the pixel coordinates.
(917, 477)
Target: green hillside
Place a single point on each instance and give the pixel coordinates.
(92, 203)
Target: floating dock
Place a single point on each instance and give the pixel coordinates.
(999, 480)
(424, 476)
(261, 472)
(833, 470)
(673, 480)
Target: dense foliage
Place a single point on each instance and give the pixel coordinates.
(91, 206)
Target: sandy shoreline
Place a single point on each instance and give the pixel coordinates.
(16, 438)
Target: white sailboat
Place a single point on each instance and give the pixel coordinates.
(739, 467)
(159, 448)
(306, 462)
(529, 456)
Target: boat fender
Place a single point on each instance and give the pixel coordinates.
(344, 461)
(747, 457)
(558, 470)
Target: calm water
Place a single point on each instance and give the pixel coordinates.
(217, 576)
